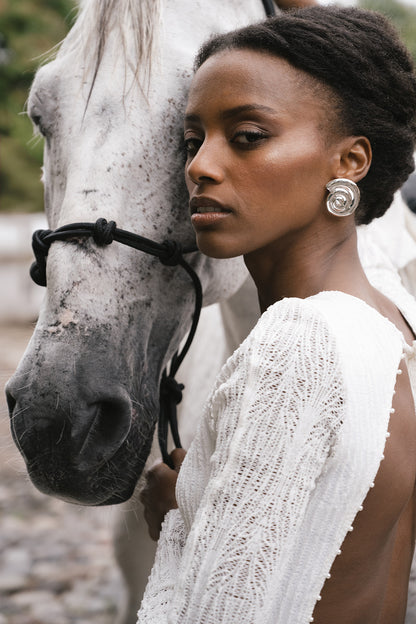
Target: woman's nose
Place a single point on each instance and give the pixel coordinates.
(205, 165)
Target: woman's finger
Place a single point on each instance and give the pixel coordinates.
(177, 456)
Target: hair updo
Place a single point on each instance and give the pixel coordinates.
(359, 56)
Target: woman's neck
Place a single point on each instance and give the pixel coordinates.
(305, 266)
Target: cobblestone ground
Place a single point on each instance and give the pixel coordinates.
(56, 562)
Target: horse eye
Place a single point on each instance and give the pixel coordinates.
(37, 120)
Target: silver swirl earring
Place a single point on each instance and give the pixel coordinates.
(343, 198)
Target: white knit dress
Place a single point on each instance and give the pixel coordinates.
(288, 447)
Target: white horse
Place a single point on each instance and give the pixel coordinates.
(84, 399)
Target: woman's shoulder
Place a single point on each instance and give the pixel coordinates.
(354, 317)
(292, 353)
(335, 310)
(330, 322)
(290, 329)
(330, 326)
(339, 311)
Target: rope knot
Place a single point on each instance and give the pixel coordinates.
(170, 388)
(172, 253)
(40, 249)
(103, 232)
(38, 241)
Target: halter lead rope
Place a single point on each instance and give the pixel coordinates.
(170, 253)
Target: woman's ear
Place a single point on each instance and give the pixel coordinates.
(353, 158)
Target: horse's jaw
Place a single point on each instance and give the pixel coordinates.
(84, 400)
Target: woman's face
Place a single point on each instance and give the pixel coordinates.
(258, 155)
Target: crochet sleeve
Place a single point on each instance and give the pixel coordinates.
(276, 424)
(156, 602)
(275, 417)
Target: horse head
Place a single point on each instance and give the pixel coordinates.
(84, 400)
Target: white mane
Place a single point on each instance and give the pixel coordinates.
(134, 23)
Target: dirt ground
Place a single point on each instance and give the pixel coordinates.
(56, 562)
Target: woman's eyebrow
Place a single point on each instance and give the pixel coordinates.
(246, 108)
(233, 112)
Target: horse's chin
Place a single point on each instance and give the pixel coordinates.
(81, 494)
(92, 485)
(85, 442)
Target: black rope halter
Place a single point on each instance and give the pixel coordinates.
(170, 253)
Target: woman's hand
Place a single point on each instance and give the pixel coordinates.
(158, 494)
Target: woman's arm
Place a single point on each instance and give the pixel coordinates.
(248, 476)
(276, 419)
(157, 601)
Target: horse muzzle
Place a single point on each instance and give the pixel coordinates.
(90, 450)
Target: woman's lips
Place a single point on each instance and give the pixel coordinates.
(202, 205)
(207, 211)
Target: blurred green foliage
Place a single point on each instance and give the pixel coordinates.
(28, 29)
(402, 15)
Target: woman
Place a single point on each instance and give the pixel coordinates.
(297, 498)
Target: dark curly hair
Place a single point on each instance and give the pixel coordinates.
(359, 56)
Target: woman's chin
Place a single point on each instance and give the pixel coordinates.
(220, 252)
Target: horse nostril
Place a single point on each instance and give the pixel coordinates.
(103, 431)
(113, 423)
(11, 401)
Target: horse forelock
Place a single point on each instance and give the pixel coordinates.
(134, 23)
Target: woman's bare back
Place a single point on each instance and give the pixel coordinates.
(369, 579)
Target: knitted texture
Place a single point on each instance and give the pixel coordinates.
(288, 447)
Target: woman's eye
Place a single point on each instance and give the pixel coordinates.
(192, 146)
(248, 137)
